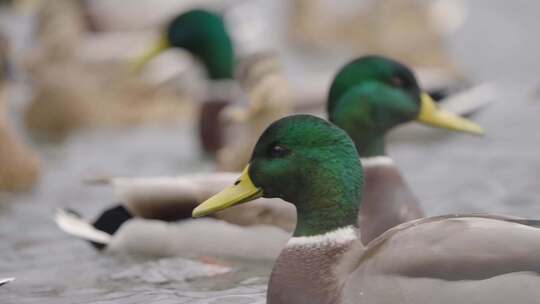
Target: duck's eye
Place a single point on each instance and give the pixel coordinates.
(397, 82)
(277, 151)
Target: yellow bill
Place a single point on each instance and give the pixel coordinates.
(160, 46)
(242, 191)
(433, 116)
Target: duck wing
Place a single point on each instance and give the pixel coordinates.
(451, 259)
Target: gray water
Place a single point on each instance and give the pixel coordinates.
(498, 173)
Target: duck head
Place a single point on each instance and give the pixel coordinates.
(372, 94)
(306, 161)
(204, 35)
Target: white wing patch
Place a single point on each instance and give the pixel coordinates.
(76, 226)
(4, 281)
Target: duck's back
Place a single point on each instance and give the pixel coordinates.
(450, 260)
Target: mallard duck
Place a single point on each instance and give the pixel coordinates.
(255, 77)
(313, 164)
(6, 280)
(204, 35)
(20, 166)
(369, 96)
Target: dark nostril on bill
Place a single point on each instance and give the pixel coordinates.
(237, 182)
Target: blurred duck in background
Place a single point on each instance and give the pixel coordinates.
(262, 78)
(245, 93)
(410, 31)
(368, 97)
(19, 165)
(313, 164)
(80, 79)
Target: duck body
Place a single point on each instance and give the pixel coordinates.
(451, 259)
(445, 259)
(188, 238)
(194, 238)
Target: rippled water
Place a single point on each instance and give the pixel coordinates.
(450, 173)
(52, 267)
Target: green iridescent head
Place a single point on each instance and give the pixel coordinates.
(372, 94)
(204, 35)
(307, 161)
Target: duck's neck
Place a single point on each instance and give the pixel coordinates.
(369, 146)
(319, 221)
(216, 52)
(387, 200)
(326, 207)
(330, 197)
(309, 270)
(218, 66)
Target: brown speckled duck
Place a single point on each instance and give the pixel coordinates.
(19, 165)
(411, 31)
(81, 79)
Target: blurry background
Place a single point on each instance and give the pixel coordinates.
(70, 110)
